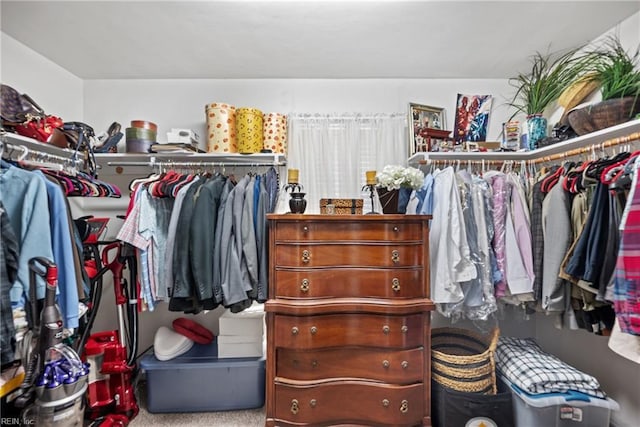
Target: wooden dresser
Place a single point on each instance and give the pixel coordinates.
(348, 320)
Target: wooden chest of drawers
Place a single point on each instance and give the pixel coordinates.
(348, 320)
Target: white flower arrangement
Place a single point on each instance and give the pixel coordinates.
(394, 177)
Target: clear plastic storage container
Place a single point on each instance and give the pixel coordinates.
(571, 409)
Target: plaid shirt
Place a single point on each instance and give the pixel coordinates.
(626, 291)
(538, 238)
(9, 257)
(526, 365)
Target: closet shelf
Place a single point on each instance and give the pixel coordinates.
(591, 139)
(37, 146)
(142, 159)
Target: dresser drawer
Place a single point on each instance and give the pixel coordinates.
(348, 230)
(355, 402)
(365, 255)
(399, 367)
(334, 330)
(350, 282)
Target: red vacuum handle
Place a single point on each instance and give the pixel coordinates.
(116, 266)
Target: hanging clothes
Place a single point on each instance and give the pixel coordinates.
(9, 263)
(201, 240)
(449, 255)
(24, 196)
(556, 228)
(627, 277)
(34, 192)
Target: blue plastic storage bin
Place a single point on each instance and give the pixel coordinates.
(571, 409)
(198, 381)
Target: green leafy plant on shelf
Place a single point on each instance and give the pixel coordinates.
(617, 71)
(549, 76)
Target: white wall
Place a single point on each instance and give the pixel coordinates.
(55, 89)
(180, 103)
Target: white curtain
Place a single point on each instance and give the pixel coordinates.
(333, 152)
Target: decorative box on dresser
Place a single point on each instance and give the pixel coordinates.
(348, 320)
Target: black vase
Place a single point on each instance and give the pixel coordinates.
(388, 200)
(297, 203)
(394, 201)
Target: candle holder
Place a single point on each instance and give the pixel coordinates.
(371, 188)
(293, 188)
(297, 203)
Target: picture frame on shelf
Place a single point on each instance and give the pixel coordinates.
(472, 118)
(421, 118)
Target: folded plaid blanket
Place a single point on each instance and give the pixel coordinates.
(525, 364)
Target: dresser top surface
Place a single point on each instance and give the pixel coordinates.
(349, 218)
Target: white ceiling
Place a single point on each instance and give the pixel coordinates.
(304, 39)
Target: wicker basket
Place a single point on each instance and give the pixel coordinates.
(603, 114)
(463, 360)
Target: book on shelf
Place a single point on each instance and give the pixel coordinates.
(175, 147)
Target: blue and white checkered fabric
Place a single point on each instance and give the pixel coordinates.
(525, 364)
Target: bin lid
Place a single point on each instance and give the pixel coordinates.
(198, 355)
(571, 397)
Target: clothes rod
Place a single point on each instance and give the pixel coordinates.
(629, 139)
(193, 164)
(9, 148)
(493, 158)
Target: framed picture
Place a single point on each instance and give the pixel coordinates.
(472, 118)
(422, 117)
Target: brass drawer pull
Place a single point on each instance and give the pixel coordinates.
(294, 330)
(404, 329)
(404, 406)
(306, 256)
(304, 285)
(305, 229)
(404, 364)
(385, 403)
(396, 228)
(294, 406)
(386, 329)
(314, 363)
(314, 330)
(395, 284)
(313, 403)
(395, 256)
(385, 364)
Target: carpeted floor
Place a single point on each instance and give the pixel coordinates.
(248, 418)
(244, 418)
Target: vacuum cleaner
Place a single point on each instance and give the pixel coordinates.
(111, 355)
(53, 390)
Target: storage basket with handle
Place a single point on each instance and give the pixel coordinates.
(463, 359)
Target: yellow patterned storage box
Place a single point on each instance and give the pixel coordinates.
(275, 132)
(249, 123)
(221, 128)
